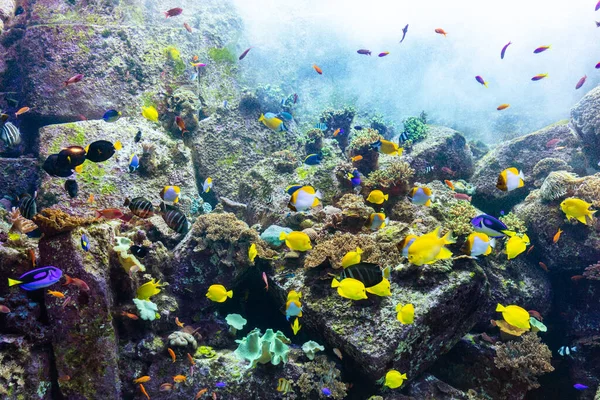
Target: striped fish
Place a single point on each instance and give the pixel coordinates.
(403, 137)
(174, 218)
(429, 169)
(369, 274)
(140, 207)
(321, 126)
(284, 386)
(27, 206)
(10, 134)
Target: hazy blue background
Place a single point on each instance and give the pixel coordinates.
(429, 72)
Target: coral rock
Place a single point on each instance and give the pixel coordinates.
(52, 221)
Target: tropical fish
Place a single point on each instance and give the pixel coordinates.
(54, 293)
(581, 82)
(200, 393)
(142, 379)
(174, 218)
(577, 209)
(170, 194)
(364, 51)
(429, 168)
(516, 245)
(510, 179)
(383, 54)
(165, 387)
(387, 147)
(71, 187)
(404, 30)
(350, 288)
(480, 80)
(321, 125)
(140, 207)
(462, 196)
(190, 358)
(313, 159)
(76, 282)
(71, 157)
(10, 134)
(394, 379)
(490, 226)
(252, 252)
(377, 221)
(272, 122)
(73, 79)
(367, 273)
(187, 27)
(21, 111)
(102, 150)
(109, 213)
(326, 391)
(138, 137)
(597, 66)
(134, 163)
(4, 309)
(244, 54)
(337, 132)
(576, 278)
(172, 354)
(111, 116)
(293, 307)
(150, 113)
(130, 315)
(429, 248)
(515, 316)
(355, 178)
(448, 171)
(356, 158)
(441, 31)
(304, 198)
(478, 244)
(284, 386)
(382, 289)
(143, 389)
(220, 384)
(358, 127)
(541, 49)
(338, 353)
(179, 378)
(566, 350)
(296, 326)
(449, 184)
(406, 313)
(557, 235)
(504, 50)
(85, 243)
(180, 124)
(503, 106)
(27, 205)
(207, 185)
(377, 197)
(543, 266)
(218, 293)
(597, 6)
(179, 323)
(173, 12)
(351, 258)
(539, 76)
(421, 195)
(148, 289)
(264, 277)
(286, 115)
(405, 244)
(37, 279)
(319, 70)
(579, 386)
(297, 241)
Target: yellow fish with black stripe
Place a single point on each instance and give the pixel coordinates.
(387, 147)
(284, 386)
(271, 121)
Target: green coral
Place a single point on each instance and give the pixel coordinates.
(12, 375)
(235, 322)
(458, 216)
(148, 310)
(514, 223)
(318, 374)
(271, 347)
(394, 173)
(222, 55)
(206, 352)
(361, 140)
(310, 348)
(415, 128)
(173, 55)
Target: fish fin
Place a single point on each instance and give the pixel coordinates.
(261, 118)
(13, 282)
(448, 238)
(428, 203)
(444, 254)
(282, 236)
(118, 145)
(387, 196)
(87, 148)
(582, 219)
(315, 202)
(318, 194)
(492, 242)
(230, 294)
(79, 168)
(359, 250)
(500, 308)
(335, 283)
(98, 214)
(509, 233)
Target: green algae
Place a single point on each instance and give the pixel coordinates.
(222, 55)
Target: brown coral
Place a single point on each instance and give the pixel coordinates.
(355, 213)
(312, 234)
(592, 272)
(547, 165)
(393, 177)
(53, 221)
(526, 359)
(318, 374)
(557, 184)
(19, 223)
(589, 190)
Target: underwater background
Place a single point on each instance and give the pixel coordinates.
(234, 199)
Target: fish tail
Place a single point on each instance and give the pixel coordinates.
(500, 308)
(126, 202)
(359, 250)
(485, 84)
(118, 145)
(387, 196)
(448, 238)
(509, 233)
(261, 118)
(69, 280)
(230, 294)
(282, 236)
(13, 282)
(335, 283)
(98, 214)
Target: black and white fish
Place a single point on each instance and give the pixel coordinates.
(369, 274)
(321, 126)
(27, 205)
(429, 168)
(566, 350)
(174, 218)
(403, 137)
(10, 134)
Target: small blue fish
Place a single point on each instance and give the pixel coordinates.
(321, 126)
(313, 159)
(111, 116)
(225, 104)
(355, 178)
(85, 243)
(134, 163)
(37, 278)
(286, 115)
(326, 391)
(287, 276)
(579, 386)
(220, 384)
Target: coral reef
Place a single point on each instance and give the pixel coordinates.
(360, 145)
(545, 166)
(393, 177)
(318, 374)
(19, 223)
(182, 339)
(457, 216)
(53, 221)
(314, 141)
(592, 272)
(310, 348)
(514, 223)
(557, 184)
(272, 347)
(589, 190)
(415, 128)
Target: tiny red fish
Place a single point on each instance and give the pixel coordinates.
(264, 276)
(144, 391)
(552, 142)
(187, 27)
(441, 31)
(576, 278)
(529, 251)
(74, 79)
(173, 12)
(541, 49)
(383, 54)
(109, 213)
(200, 393)
(67, 301)
(244, 54)
(4, 309)
(181, 124)
(165, 387)
(535, 315)
(319, 70)
(179, 323)
(581, 82)
(32, 255)
(22, 110)
(543, 266)
(129, 315)
(172, 354)
(191, 359)
(502, 106)
(64, 378)
(448, 171)
(462, 196)
(77, 282)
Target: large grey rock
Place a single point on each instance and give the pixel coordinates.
(19, 175)
(586, 120)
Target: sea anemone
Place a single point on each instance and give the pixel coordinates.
(557, 185)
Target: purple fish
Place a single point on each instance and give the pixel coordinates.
(504, 50)
(581, 82)
(480, 80)
(597, 6)
(541, 49)
(489, 225)
(579, 386)
(327, 392)
(37, 278)
(364, 51)
(355, 177)
(220, 384)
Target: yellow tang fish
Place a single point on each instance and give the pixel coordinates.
(352, 257)
(510, 179)
(218, 293)
(149, 289)
(515, 316)
(252, 252)
(577, 208)
(381, 289)
(150, 113)
(350, 288)
(406, 313)
(297, 241)
(516, 245)
(394, 379)
(428, 248)
(272, 122)
(377, 197)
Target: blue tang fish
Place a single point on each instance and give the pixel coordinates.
(111, 116)
(37, 278)
(85, 243)
(134, 163)
(354, 177)
(313, 159)
(490, 226)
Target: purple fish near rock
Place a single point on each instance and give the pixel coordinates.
(579, 386)
(37, 278)
(220, 384)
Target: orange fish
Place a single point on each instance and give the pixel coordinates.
(195, 58)
(449, 184)
(144, 391)
(179, 378)
(60, 295)
(172, 354)
(200, 393)
(544, 267)
(576, 278)
(165, 387)
(191, 359)
(129, 315)
(503, 107)
(187, 27)
(91, 199)
(337, 131)
(77, 282)
(142, 379)
(529, 251)
(319, 70)
(32, 255)
(109, 213)
(181, 124)
(178, 323)
(22, 110)
(557, 236)
(357, 158)
(64, 378)
(441, 31)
